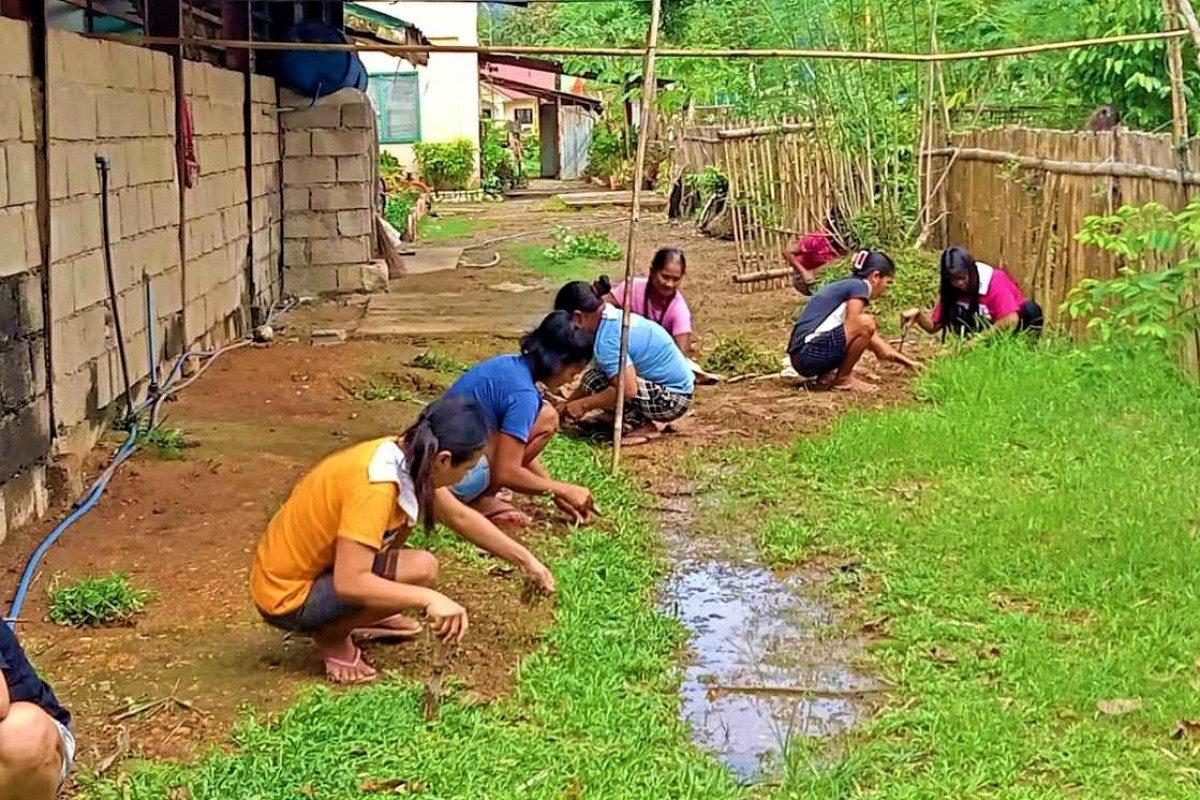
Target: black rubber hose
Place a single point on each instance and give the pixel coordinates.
(102, 164)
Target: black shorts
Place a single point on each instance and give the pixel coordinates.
(323, 607)
(824, 353)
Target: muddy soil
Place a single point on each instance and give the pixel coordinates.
(261, 416)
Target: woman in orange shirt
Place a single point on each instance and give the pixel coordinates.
(332, 562)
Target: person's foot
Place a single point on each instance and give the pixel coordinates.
(396, 626)
(344, 663)
(501, 513)
(867, 374)
(853, 384)
(642, 435)
(826, 381)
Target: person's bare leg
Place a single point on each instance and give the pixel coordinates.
(31, 754)
(858, 338)
(544, 428)
(334, 643)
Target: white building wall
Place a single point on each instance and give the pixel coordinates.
(449, 84)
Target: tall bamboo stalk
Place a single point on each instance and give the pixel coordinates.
(1175, 70)
(635, 212)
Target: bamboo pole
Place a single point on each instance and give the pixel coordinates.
(1087, 168)
(635, 211)
(632, 52)
(1193, 26)
(1175, 70)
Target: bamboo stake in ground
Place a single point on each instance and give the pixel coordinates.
(1193, 26)
(635, 212)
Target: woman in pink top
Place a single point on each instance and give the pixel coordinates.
(658, 299)
(975, 297)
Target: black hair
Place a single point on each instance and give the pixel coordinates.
(583, 296)
(956, 263)
(868, 262)
(665, 256)
(452, 424)
(555, 344)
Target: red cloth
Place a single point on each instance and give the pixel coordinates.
(190, 167)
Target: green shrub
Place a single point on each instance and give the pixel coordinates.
(166, 443)
(590, 244)
(446, 165)
(1143, 303)
(104, 600)
(496, 163)
(606, 152)
(709, 183)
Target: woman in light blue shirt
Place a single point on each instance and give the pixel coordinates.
(658, 378)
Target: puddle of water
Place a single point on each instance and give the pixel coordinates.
(763, 669)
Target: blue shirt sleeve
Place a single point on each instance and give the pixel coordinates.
(520, 413)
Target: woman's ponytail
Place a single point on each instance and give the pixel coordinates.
(448, 425)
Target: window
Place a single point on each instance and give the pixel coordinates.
(523, 116)
(397, 101)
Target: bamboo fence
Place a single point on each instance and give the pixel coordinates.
(783, 183)
(1016, 197)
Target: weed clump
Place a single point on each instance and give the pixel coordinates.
(589, 244)
(105, 600)
(740, 354)
(440, 363)
(165, 443)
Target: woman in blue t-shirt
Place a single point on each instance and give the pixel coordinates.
(658, 380)
(521, 423)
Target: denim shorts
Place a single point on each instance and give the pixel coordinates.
(323, 607)
(475, 482)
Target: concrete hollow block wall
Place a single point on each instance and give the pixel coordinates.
(330, 174)
(57, 331)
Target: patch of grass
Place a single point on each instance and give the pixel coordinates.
(534, 257)
(106, 600)
(165, 443)
(1029, 537)
(739, 354)
(373, 392)
(588, 244)
(555, 205)
(594, 713)
(440, 362)
(440, 229)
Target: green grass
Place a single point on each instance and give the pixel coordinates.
(440, 363)
(104, 600)
(441, 229)
(374, 392)
(165, 443)
(534, 257)
(1030, 533)
(594, 713)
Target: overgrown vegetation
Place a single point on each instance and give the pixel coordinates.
(740, 354)
(1023, 545)
(1155, 298)
(390, 392)
(104, 600)
(446, 165)
(594, 713)
(568, 245)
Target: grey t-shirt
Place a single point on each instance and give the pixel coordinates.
(826, 310)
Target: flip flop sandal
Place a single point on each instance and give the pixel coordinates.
(515, 518)
(357, 662)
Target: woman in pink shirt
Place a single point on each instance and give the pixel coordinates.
(975, 297)
(658, 299)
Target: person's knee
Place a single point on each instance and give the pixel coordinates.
(867, 324)
(29, 742)
(423, 566)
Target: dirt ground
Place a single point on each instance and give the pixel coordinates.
(261, 416)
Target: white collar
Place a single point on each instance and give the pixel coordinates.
(388, 465)
(986, 273)
(611, 312)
